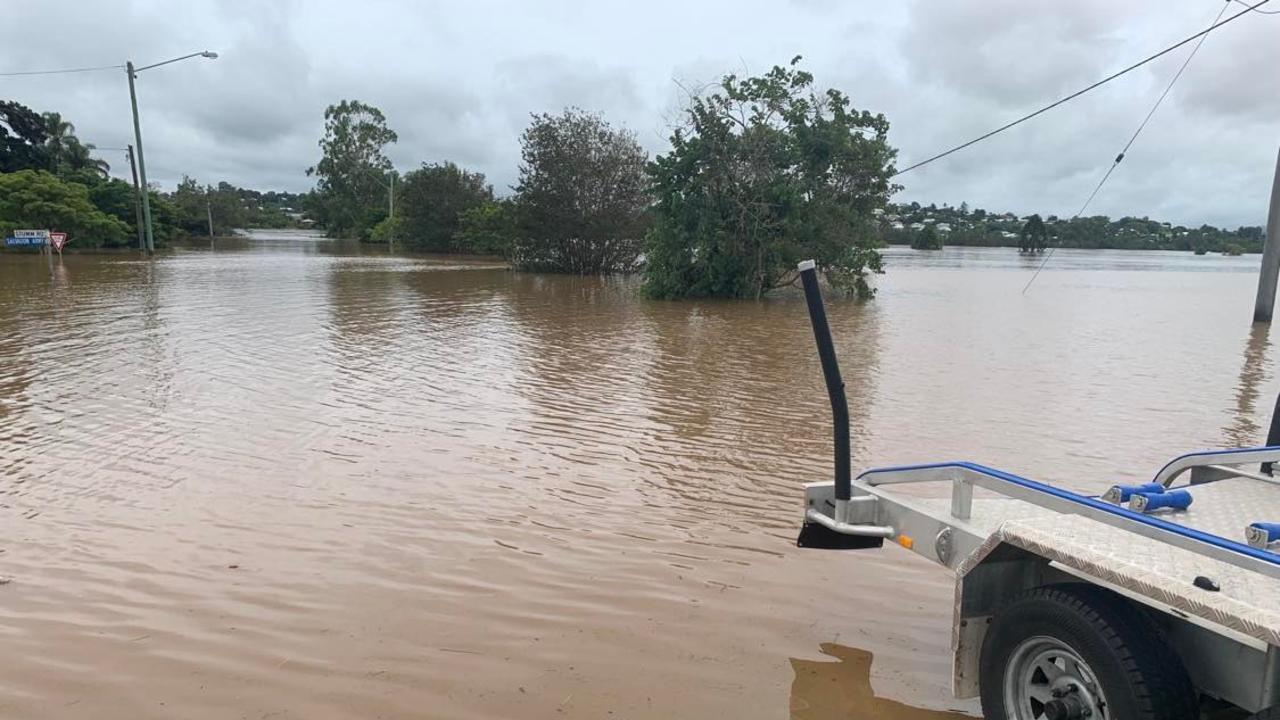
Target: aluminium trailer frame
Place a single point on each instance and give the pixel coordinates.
(1214, 598)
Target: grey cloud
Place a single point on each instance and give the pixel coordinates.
(458, 82)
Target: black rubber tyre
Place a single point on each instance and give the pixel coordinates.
(1136, 676)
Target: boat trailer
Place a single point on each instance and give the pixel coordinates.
(1158, 600)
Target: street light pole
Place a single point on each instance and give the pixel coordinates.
(137, 136)
(142, 163)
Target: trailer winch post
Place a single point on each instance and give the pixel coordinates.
(831, 373)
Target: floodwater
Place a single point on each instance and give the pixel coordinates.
(286, 478)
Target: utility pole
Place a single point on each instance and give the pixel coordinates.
(137, 203)
(142, 163)
(1266, 300)
(208, 208)
(137, 136)
(391, 213)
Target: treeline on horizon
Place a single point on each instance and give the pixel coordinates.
(932, 226)
(762, 172)
(49, 179)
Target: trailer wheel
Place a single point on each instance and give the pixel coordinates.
(1066, 652)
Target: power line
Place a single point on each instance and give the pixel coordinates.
(1261, 12)
(61, 72)
(1141, 126)
(1078, 93)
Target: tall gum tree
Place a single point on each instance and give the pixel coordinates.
(351, 176)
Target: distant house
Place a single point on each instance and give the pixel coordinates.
(917, 226)
(896, 225)
(929, 221)
(878, 212)
(1008, 235)
(944, 227)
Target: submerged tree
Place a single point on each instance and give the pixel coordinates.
(927, 239)
(766, 172)
(488, 229)
(581, 196)
(432, 200)
(1034, 236)
(197, 205)
(352, 173)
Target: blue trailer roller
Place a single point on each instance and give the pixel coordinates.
(1262, 534)
(1121, 494)
(1150, 502)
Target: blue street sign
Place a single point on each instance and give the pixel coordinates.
(23, 241)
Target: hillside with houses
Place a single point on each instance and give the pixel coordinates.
(904, 224)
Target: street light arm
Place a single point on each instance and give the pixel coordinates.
(204, 53)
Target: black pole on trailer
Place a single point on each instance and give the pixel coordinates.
(831, 373)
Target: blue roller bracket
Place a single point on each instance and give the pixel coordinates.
(1261, 534)
(1150, 502)
(1120, 494)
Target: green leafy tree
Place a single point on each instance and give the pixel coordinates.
(40, 200)
(488, 229)
(195, 204)
(927, 239)
(767, 172)
(189, 202)
(23, 139)
(117, 199)
(229, 208)
(164, 220)
(431, 201)
(387, 230)
(581, 196)
(350, 195)
(1034, 236)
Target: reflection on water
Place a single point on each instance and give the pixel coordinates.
(1254, 372)
(293, 477)
(842, 689)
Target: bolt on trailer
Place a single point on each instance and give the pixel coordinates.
(1154, 601)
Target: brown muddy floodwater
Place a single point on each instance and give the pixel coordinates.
(293, 479)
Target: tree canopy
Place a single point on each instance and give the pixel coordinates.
(66, 152)
(927, 239)
(38, 199)
(351, 189)
(581, 196)
(765, 172)
(432, 200)
(488, 228)
(1034, 236)
(23, 139)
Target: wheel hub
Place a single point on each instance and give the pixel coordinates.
(1045, 679)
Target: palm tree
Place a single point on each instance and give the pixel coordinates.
(67, 150)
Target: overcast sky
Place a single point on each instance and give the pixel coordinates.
(457, 81)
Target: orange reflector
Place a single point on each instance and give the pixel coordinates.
(906, 541)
